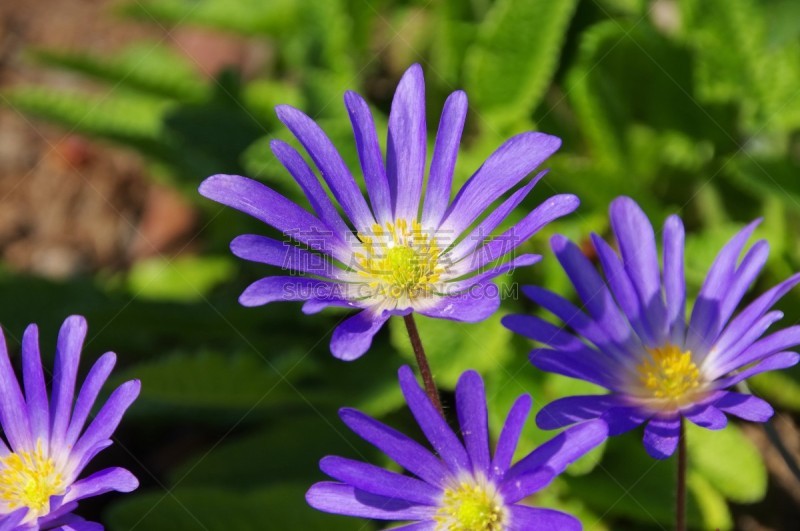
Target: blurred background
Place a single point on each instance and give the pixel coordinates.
(111, 114)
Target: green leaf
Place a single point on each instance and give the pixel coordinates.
(180, 279)
(219, 509)
(515, 56)
(778, 387)
(729, 461)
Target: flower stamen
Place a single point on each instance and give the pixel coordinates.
(29, 479)
(669, 375)
(470, 506)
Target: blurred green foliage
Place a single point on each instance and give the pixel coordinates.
(689, 106)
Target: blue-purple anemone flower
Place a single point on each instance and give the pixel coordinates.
(462, 486)
(632, 336)
(401, 252)
(47, 444)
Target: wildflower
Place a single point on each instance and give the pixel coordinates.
(464, 488)
(401, 252)
(46, 446)
(632, 336)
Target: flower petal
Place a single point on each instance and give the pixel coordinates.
(407, 143)
(706, 416)
(781, 360)
(509, 436)
(289, 288)
(338, 498)
(475, 304)
(353, 337)
(747, 407)
(68, 355)
(771, 344)
(88, 395)
(13, 414)
(286, 255)
(572, 409)
(473, 419)
(524, 518)
(110, 479)
(72, 522)
(10, 521)
(330, 164)
(445, 152)
(35, 387)
(673, 278)
(661, 436)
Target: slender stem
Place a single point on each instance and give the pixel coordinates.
(680, 492)
(422, 362)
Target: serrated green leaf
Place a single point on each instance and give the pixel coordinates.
(713, 454)
(515, 56)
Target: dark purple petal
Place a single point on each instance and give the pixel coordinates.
(430, 421)
(473, 419)
(705, 323)
(752, 264)
(781, 360)
(35, 387)
(673, 278)
(72, 522)
(706, 416)
(68, 356)
(717, 357)
(353, 337)
(661, 436)
(108, 418)
(572, 409)
(10, 521)
(524, 518)
(330, 164)
(623, 419)
(13, 412)
(523, 485)
(289, 288)
(338, 498)
(406, 452)
(88, 395)
(110, 479)
(440, 179)
(747, 407)
(553, 208)
(270, 207)
(771, 344)
(312, 189)
(585, 365)
(637, 244)
(557, 453)
(503, 170)
(407, 143)
(475, 304)
(376, 480)
(285, 255)
(509, 436)
(369, 153)
(483, 230)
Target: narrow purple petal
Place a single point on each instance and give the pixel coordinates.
(475, 304)
(73, 522)
(430, 421)
(637, 244)
(747, 407)
(376, 480)
(404, 451)
(330, 164)
(752, 264)
(88, 395)
(266, 205)
(571, 409)
(623, 419)
(771, 344)
(108, 418)
(13, 414)
(585, 365)
(707, 416)
(68, 355)
(417, 526)
(296, 165)
(286, 255)
(289, 288)
(661, 436)
(521, 486)
(35, 387)
(557, 453)
(10, 521)
(369, 153)
(107, 480)
(503, 170)
(781, 360)
(673, 278)
(312, 306)
(353, 337)
(473, 419)
(524, 518)
(445, 152)
(729, 349)
(509, 436)
(493, 272)
(407, 143)
(338, 498)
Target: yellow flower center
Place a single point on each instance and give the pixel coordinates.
(399, 262)
(28, 479)
(470, 507)
(669, 375)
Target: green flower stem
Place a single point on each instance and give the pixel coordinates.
(422, 362)
(680, 491)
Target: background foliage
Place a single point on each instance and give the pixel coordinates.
(689, 106)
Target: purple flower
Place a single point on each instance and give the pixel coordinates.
(632, 337)
(47, 445)
(464, 487)
(401, 252)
